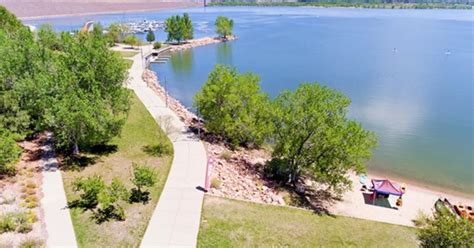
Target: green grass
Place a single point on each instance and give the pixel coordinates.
(128, 54)
(232, 223)
(139, 131)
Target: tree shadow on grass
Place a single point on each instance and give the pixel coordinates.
(102, 149)
(77, 163)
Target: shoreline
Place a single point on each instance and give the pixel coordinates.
(427, 187)
(98, 9)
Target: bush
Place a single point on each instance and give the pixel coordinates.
(31, 243)
(143, 176)
(215, 183)
(105, 199)
(447, 230)
(7, 223)
(15, 222)
(157, 45)
(9, 152)
(226, 155)
(90, 188)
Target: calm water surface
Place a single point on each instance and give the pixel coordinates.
(409, 74)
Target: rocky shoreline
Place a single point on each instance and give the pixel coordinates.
(236, 173)
(200, 42)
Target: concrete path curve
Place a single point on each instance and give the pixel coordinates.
(176, 219)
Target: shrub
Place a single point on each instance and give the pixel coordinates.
(90, 188)
(31, 185)
(23, 223)
(157, 45)
(226, 155)
(215, 183)
(31, 243)
(447, 230)
(143, 176)
(9, 152)
(105, 199)
(7, 223)
(15, 222)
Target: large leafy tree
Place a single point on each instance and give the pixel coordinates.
(447, 230)
(313, 136)
(179, 28)
(92, 104)
(234, 107)
(224, 26)
(69, 84)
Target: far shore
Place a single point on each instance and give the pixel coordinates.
(52, 9)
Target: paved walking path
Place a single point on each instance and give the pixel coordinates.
(54, 203)
(175, 221)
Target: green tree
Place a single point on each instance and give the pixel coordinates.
(179, 28)
(69, 84)
(187, 26)
(150, 36)
(447, 230)
(234, 107)
(131, 40)
(224, 26)
(116, 32)
(90, 189)
(8, 21)
(143, 176)
(314, 137)
(9, 152)
(92, 104)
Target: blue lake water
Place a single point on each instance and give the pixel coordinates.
(409, 74)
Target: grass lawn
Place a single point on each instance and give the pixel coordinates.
(232, 223)
(128, 54)
(139, 131)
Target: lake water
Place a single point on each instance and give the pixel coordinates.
(409, 74)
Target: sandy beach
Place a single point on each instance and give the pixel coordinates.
(31, 9)
(356, 203)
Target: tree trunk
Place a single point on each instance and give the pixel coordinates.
(75, 149)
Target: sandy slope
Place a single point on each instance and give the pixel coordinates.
(26, 9)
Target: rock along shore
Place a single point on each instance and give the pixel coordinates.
(201, 42)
